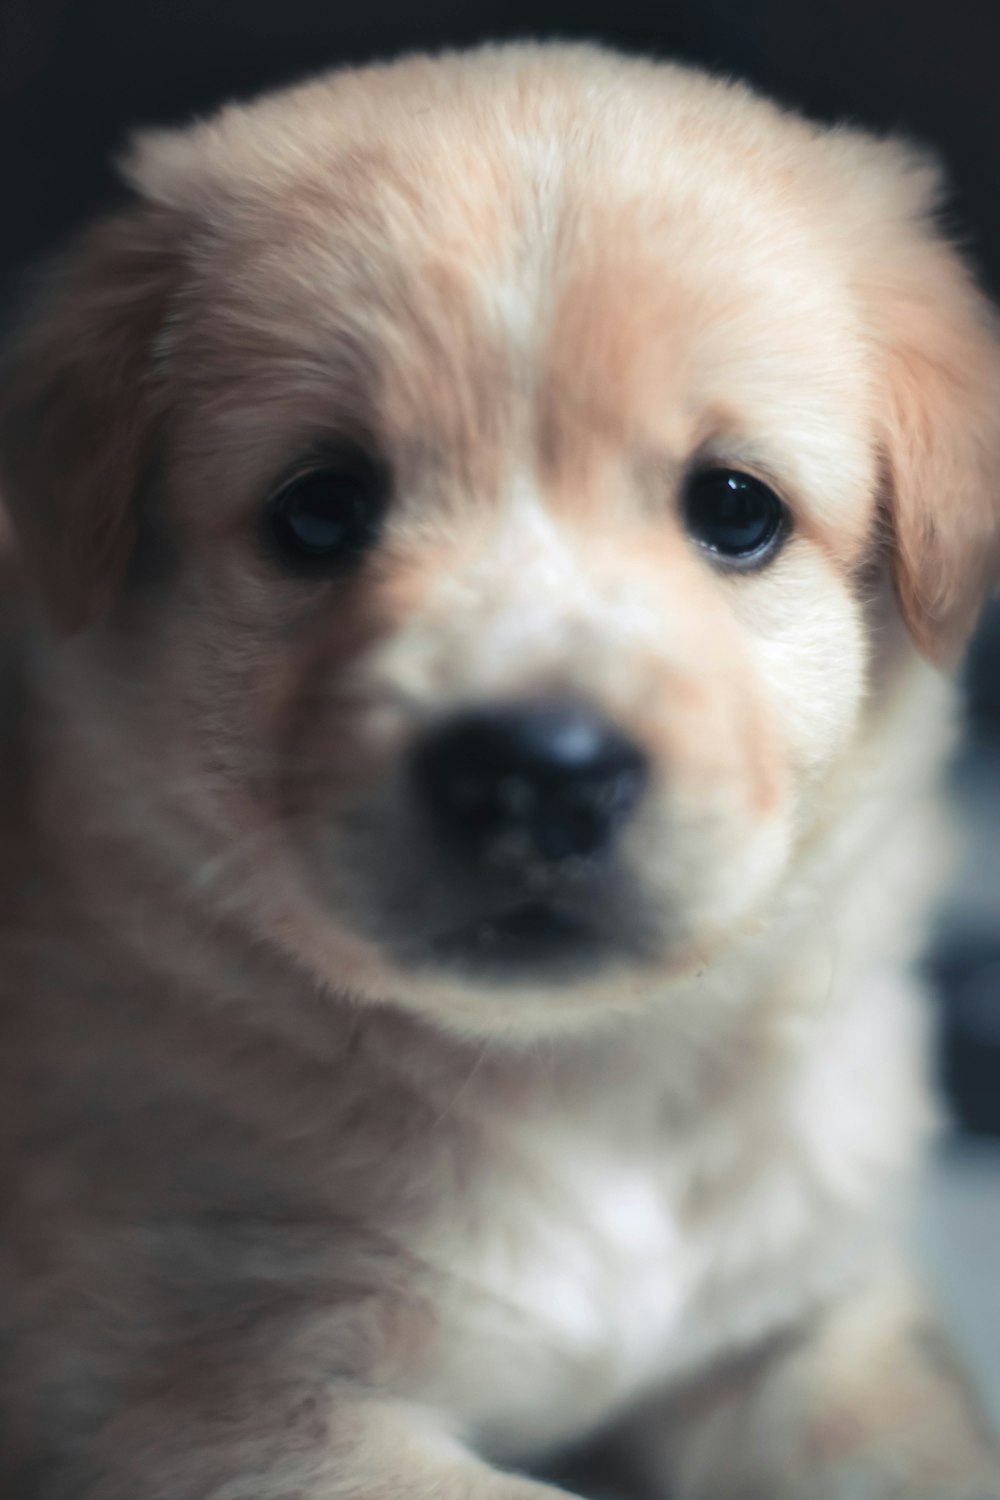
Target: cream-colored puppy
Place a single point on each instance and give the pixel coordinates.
(501, 520)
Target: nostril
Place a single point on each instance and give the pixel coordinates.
(559, 779)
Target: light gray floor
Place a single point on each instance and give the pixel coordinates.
(958, 1237)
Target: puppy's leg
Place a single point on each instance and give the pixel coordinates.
(869, 1403)
(296, 1450)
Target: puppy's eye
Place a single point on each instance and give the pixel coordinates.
(327, 517)
(734, 517)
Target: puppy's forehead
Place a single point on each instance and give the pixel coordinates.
(645, 262)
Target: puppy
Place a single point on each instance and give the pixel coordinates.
(498, 525)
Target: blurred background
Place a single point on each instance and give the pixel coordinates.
(76, 74)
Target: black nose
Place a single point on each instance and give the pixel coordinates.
(544, 780)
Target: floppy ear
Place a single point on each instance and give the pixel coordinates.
(940, 351)
(77, 411)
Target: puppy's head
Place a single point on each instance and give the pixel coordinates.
(470, 481)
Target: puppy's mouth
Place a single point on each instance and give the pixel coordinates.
(533, 937)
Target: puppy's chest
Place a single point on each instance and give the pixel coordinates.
(562, 1292)
(586, 1270)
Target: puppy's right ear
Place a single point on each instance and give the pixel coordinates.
(78, 408)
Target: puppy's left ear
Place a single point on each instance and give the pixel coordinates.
(78, 408)
(937, 340)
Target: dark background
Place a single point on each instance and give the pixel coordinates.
(75, 74)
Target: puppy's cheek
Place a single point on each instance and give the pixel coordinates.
(814, 670)
(747, 766)
(710, 871)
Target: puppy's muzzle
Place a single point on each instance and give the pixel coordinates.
(533, 784)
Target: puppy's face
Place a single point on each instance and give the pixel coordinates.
(504, 480)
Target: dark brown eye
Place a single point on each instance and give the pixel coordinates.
(734, 516)
(327, 517)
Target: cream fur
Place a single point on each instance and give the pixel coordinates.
(292, 1214)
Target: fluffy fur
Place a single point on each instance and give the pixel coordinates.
(293, 1211)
